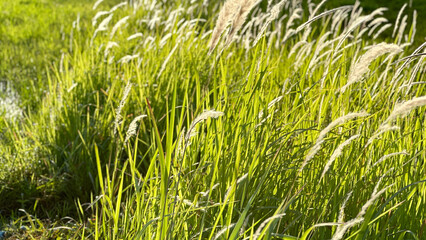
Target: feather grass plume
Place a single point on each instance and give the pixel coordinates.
(118, 116)
(323, 133)
(97, 4)
(203, 116)
(341, 217)
(134, 36)
(360, 68)
(226, 15)
(264, 223)
(405, 108)
(404, 152)
(337, 153)
(382, 129)
(397, 19)
(222, 231)
(120, 23)
(341, 230)
(132, 128)
(235, 12)
(275, 11)
(163, 66)
(245, 6)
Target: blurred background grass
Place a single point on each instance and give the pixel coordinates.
(394, 6)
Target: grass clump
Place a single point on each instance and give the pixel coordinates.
(153, 127)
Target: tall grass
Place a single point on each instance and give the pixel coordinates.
(268, 136)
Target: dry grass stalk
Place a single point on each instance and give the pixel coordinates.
(407, 60)
(320, 16)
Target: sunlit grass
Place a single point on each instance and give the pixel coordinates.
(255, 141)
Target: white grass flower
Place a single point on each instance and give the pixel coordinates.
(263, 224)
(341, 230)
(203, 116)
(103, 26)
(114, 8)
(206, 193)
(382, 129)
(120, 23)
(97, 4)
(295, 47)
(163, 66)
(381, 30)
(341, 217)
(180, 144)
(404, 152)
(222, 231)
(275, 11)
(400, 34)
(375, 24)
(226, 15)
(405, 108)
(134, 36)
(9, 106)
(271, 104)
(337, 153)
(128, 58)
(245, 6)
(98, 15)
(397, 19)
(132, 127)
(323, 133)
(360, 68)
(118, 116)
(108, 47)
(312, 13)
(413, 35)
(297, 14)
(228, 191)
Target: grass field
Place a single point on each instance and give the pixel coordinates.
(212, 120)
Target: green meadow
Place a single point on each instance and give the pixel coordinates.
(236, 119)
